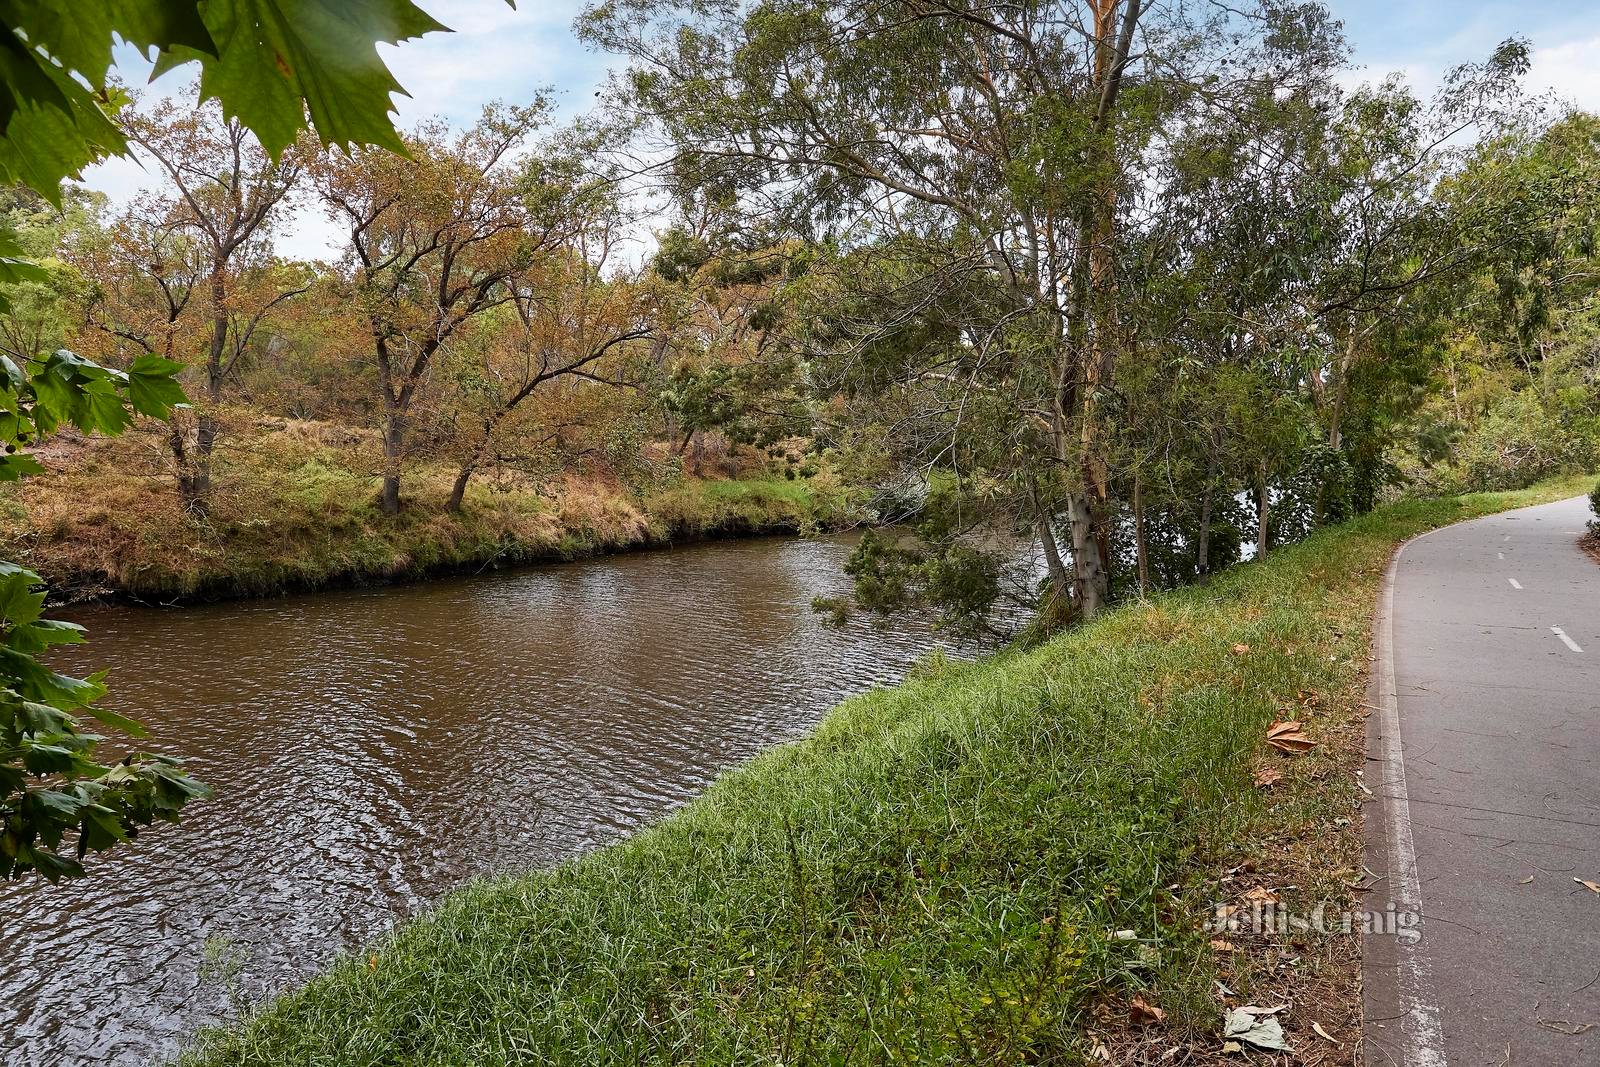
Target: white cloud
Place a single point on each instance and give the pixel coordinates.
(1571, 70)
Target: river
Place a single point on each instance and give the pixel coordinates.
(371, 749)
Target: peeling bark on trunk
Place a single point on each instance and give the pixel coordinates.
(1263, 506)
(1091, 580)
(1140, 553)
(1202, 563)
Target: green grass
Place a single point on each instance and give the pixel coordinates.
(936, 875)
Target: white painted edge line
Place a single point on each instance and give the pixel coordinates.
(1565, 640)
(1514, 583)
(1419, 1022)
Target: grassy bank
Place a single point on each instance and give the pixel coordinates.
(295, 507)
(983, 865)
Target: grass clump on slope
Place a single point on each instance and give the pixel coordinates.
(944, 873)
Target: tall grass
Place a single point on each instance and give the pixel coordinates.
(945, 872)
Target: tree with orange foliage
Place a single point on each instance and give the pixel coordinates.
(436, 240)
(222, 196)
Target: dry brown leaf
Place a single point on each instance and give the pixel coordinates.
(1267, 776)
(1593, 887)
(1142, 1013)
(1223, 946)
(1288, 736)
(1261, 895)
(1240, 649)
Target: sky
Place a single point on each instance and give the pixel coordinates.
(500, 53)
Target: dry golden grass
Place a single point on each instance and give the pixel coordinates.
(294, 505)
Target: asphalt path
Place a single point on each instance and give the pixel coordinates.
(1484, 765)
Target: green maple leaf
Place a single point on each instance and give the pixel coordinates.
(82, 40)
(151, 388)
(273, 54)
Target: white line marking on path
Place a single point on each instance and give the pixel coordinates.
(1565, 640)
(1420, 1021)
(1514, 583)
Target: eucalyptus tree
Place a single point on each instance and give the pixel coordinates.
(725, 335)
(998, 153)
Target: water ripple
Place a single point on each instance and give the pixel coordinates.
(372, 749)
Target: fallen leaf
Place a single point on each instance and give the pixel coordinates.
(1223, 946)
(1288, 736)
(1143, 1013)
(1562, 1026)
(1266, 776)
(1240, 649)
(1256, 1026)
(1261, 895)
(1325, 1035)
(1593, 887)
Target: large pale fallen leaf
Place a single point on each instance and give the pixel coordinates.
(1256, 1026)
(1289, 736)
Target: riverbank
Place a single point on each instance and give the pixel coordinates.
(295, 508)
(997, 862)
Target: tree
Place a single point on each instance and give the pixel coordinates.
(725, 341)
(436, 239)
(225, 193)
(568, 326)
(567, 321)
(999, 155)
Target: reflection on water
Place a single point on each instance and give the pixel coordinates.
(371, 749)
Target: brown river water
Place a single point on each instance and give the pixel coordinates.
(371, 749)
